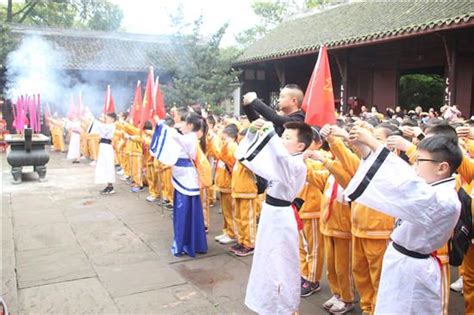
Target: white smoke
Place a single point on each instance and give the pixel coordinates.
(35, 67)
(38, 67)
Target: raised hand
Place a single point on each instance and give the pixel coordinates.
(398, 143)
(249, 97)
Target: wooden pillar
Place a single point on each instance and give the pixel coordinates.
(450, 76)
(280, 71)
(343, 65)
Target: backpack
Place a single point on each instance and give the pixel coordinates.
(460, 241)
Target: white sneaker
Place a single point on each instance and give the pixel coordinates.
(456, 286)
(150, 198)
(93, 163)
(219, 237)
(227, 240)
(123, 178)
(329, 303)
(120, 173)
(340, 307)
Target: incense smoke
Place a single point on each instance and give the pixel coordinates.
(38, 67)
(35, 68)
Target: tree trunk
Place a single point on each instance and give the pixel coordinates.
(10, 11)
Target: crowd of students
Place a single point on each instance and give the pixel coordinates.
(374, 198)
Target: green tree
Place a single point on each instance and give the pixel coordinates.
(8, 43)
(272, 13)
(201, 71)
(421, 90)
(89, 14)
(98, 14)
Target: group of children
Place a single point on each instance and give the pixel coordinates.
(344, 196)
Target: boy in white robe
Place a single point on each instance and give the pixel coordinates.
(426, 206)
(274, 281)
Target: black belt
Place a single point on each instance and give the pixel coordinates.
(277, 202)
(409, 253)
(106, 141)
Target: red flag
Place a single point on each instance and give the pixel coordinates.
(148, 100)
(318, 102)
(135, 112)
(159, 109)
(109, 106)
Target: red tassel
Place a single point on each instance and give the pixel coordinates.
(299, 223)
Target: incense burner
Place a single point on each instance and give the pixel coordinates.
(27, 149)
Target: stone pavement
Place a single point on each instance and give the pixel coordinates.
(68, 250)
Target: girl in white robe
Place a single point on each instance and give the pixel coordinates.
(105, 166)
(74, 150)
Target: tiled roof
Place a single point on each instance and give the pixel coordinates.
(104, 51)
(357, 23)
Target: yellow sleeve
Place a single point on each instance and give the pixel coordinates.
(147, 141)
(212, 146)
(227, 154)
(466, 169)
(348, 159)
(470, 147)
(316, 174)
(131, 130)
(411, 153)
(337, 170)
(137, 138)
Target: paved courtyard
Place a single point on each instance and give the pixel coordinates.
(68, 250)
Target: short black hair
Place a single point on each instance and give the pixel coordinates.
(113, 116)
(394, 122)
(316, 134)
(391, 130)
(443, 148)
(373, 121)
(195, 120)
(292, 86)
(182, 112)
(211, 120)
(169, 121)
(442, 130)
(147, 125)
(305, 133)
(409, 122)
(231, 130)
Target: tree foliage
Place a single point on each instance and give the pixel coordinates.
(421, 90)
(8, 44)
(272, 13)
(89, 14)
(201, 70)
